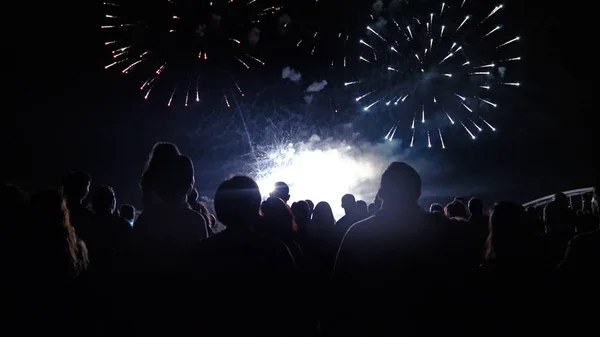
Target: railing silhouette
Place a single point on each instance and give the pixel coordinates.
(575, 197)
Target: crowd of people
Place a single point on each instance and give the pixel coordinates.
(244, 265)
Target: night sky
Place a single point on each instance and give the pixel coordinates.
(63, 111)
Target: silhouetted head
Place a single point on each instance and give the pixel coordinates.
(301, 214)
(476, 206)
(281, 191)
(511, 233)
(179, 179)
(400, 185)
(159, 157)
(436, 207)
(104, 201)
(557, 218)
(361, 207)
(237, 202)
(161, 152)
(322, 218)
(349, 203)
(278, 217)
(127, 212)
(456, 209)
(371, 208)
(461, 200)
(561, 200)
(311, 206)
(76, 186)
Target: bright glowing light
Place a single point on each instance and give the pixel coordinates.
(322, 172)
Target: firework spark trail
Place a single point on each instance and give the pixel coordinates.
(450, 118)
(371, 105)
(463, 22)
(238, 88)
(497, 8)
(509, 42)
(488, 124)
(242, 62)
(377, 34)
(363, 96)
(467, 129)
(488, 102)
(226, 101)
(393, 133)
(351, 83)
(441, 139)
(412, 139)
(187, 95)
(466, 107)
(255, 59)
(497, 28)
(171, 98)
(476, 126)
(366, 44)
(428, 140)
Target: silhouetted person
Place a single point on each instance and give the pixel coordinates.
(55, 259)
(581, 261)
(436, 208)
(456, 209)
(75, 188)
(301, 212)
(322, 219)
(479, 223)
(281, 191)
(278, 223)
(323, 239)
(153, 174)
(244, 269)
(111, 243)
(165, 237)
(586, 220)
(351, 216)
(514, 273)
(127, 212)
(559, 231)
(362, 209)
(389, 267)
(166, 232)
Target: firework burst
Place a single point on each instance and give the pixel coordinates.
(182, 49)
(434, 65)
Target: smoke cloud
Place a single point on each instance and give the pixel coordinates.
(316, 86)
(324, 169)
(378, 7)
(291, 74)
(283, 21)
(502, 71)
(254, 36)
